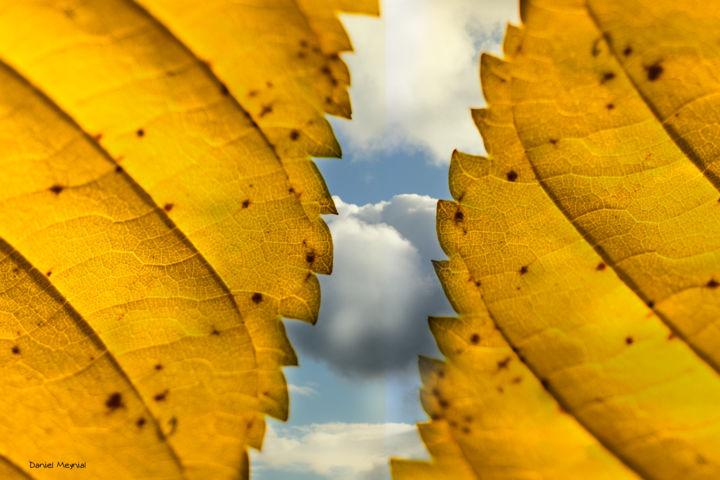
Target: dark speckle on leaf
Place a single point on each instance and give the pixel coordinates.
(265, 109)
(56, 189)
(245, 203)
(554, 141)
(654, 71)
(627, 51)
(215, 331)
(607, 76)
(158, 367)
(712, 283)
(310, 257)
(459, 216)
(118, 169)
(140, 132)
(503, 364)
(512, 175)
(601, 266)
(224, 89)
(523, 270)
(16, 350)
(475, 339)
(629, 340)
(650, 304)
(162, 396)
(610, 106)
(294, 134)
(168, 206)
(114, 401)
(257, 297)
(140, 422)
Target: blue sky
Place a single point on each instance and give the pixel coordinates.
(354, 400)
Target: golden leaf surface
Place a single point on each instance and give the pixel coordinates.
(165, 220)
(590, 234)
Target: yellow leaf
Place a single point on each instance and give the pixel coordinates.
(139, 179)
(591, 235)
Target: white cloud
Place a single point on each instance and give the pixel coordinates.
(415, 74)
(307, 390)
(352, 451)
(374, 306)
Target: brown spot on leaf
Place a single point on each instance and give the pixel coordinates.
(475, 339)
(516, 380)
(16, 350)
(224, 89)
(712, 283)
(443, 403)
(303, 43)
(168, 206)
(56, 189)
(654, 71)
(252, 93)
(140, 132)
(215, 331)
(158, 367)
(328, 100)
(629, 340)
(512, 175)
(301, 54)
(118, 169)
(610, 106)
(140, 422)
(173, 425)
(48, 273)
(466, 430)
(459, 216)
(671, 336)
(627, 50)
(294, 134)
(114, 401)
(607, 76)
(441, 373)
(162, 396)
(245, 203)
(523, 270)
(601, 266)
(310, 257)
(265, 109)
(326, 70)
(503, 364)
(500, 389)
(257, 297)
(97, 137)
(269, 84)
(554, 141)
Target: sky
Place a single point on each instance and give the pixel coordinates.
(354, 399)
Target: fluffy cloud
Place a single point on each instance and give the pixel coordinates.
(415, 74)
(374, 305)
(303, 390)
(352, 451)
